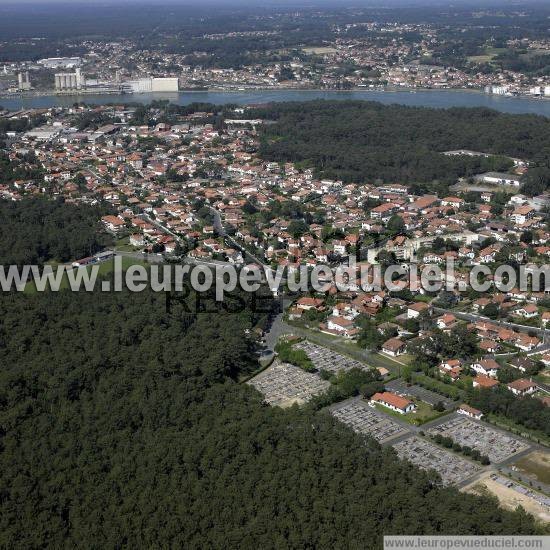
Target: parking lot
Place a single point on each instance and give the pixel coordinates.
(401, 388)
(283, 384)
(542, 499)
(329, 360)
(498, 446)
(364, 420)
(452, 468)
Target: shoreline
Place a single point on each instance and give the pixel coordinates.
(53, 93)
(413, 97)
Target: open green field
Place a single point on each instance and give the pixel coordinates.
(423, 413)
(319, 50)
(105, 268)
(487, 56)
(123, 244)
(514, 427)
(537, 465)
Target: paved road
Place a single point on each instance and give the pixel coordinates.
(158, 225)
(278, 328)
(535, 483)
(218, 225)
(472, 317)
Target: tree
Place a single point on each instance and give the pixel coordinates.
(360, 142)
(386, 258)
(536, 181)
(507, 374)
(297, 228)
(438, 245)
(37, 230)
(491, 310)
(249, 208)
(526, 237)
(395, 225)
(80, 181)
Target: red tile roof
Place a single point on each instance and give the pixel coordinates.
(391, 399)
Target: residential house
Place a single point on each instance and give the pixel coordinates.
(487, 367)
(342, 326)
(525, 342)
(113, 223)
(523, 364)
(521, 214)
(393, 402)
(469, 411)
(454, 202)
(527, 311)
(137, 239)
(414, 310)
(446, 322)
(522, 387)
(484, 382)
(307, 303)
(451, 368)
(488, 346)
(394, 347)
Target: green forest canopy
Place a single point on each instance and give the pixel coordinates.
(122, 425)
(37, 230)
(361, 141)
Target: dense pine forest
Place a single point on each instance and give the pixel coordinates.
(122, 427)
(123, 424)
(37, 230)
(362, 142)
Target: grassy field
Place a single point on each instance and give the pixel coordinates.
(487, 56)
(105, 268)
(543, 375)
(343, 346)
(424, 413)
(319, 50)
(518, 429)
(123, 244)
(378, 360)
(537, 465)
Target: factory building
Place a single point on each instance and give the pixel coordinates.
(69, 81)
(154, 84)
(167, 84)
(60, 62)
(23, 81)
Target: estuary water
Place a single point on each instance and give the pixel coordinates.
(420, 98)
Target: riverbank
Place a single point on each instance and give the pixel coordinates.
(440, 99)
(224, 90)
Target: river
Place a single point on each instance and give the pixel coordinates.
(424, 98)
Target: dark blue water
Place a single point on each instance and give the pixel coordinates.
(424, 98)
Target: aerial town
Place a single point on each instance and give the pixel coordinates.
(195, 189)
(384, 56)
(274, 276)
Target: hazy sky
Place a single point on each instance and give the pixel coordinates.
(14, 4)
(255, 3)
